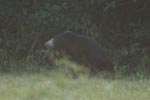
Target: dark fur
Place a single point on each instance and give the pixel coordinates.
(83, 50)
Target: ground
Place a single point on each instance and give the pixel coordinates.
(52, 85)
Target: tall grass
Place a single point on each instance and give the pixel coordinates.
(52, 85)
(43, 84)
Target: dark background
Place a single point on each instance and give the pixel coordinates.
(122, 27)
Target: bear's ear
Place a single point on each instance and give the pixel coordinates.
(50, 43)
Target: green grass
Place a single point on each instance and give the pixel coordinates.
(52, 85)
(27, 81)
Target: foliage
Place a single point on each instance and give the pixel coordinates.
(120, 26)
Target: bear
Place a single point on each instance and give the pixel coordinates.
(83, 50)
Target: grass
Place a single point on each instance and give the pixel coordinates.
(27, 82)
(52, 85)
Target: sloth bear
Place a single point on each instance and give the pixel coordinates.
(83, 50)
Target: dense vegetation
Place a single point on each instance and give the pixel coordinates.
(122, 27)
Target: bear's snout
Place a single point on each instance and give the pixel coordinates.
(50, 43)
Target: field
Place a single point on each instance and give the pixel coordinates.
(52, 85)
